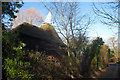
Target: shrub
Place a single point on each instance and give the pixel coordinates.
(17, 69)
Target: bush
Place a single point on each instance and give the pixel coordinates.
(17, 69)
(14, 64)
(51, 67)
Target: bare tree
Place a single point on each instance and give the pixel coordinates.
(108, 12)
(69, 22)
(110, 15)
(112, 42)
(31, 16)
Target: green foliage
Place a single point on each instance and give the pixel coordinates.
(10, 40)
(38, 65)
(101, 57)
(22, 64)
(96, 62)
(94, 48)
(92, 52)
(15, 65)
(98, 44)
(17, 69)
(109, 53)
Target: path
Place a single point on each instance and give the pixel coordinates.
(110, 72)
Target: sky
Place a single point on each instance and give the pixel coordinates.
(97, 29)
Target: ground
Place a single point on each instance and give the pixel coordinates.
(110, 72)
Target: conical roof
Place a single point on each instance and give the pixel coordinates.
(48, 18)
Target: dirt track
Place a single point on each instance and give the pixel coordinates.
(110, 72)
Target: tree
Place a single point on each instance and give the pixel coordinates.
(69, 22)
(108, 12)
(31, 16)
(9, 10)
(80, 43)
(113, 44)
(104, 54)
(92, 50)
